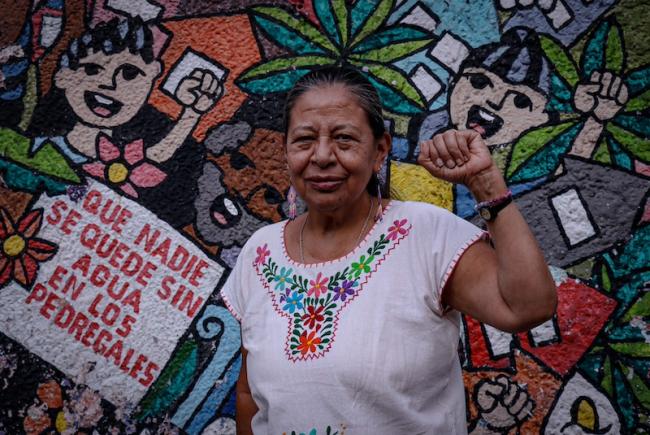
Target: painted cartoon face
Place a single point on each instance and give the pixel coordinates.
(257, 172)
(498, 110)
(108, 90)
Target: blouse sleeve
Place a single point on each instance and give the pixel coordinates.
(453, 236)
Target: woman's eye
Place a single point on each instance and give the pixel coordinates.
(91, 69)
(523, 102)
(130, 72)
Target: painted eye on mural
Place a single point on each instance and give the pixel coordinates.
(91, 69)
(240, 161)
(479, 81)
(130, 72)
(272, 196)
(523, 102)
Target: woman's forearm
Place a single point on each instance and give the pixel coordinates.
(245, 407)
(524, 280)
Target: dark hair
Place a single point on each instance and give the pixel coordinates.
(517, 58)
(111, 37)
(352, 79)
(358, 85)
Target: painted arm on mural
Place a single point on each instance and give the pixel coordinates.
(508, 286)
(601, 98)
(197, 93)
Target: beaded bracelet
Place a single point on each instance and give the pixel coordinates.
(496, 201)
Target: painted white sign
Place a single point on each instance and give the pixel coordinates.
(109, 308)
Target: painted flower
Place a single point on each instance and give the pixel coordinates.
(262, 253)
(318, 286)
(362, 266)
(125, 170)
(313, 316)
(397, 229)
(308, 343)
(20, 251)
(294, 302)
(344, 290)
(283, 278)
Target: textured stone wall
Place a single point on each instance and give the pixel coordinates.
(141, 145)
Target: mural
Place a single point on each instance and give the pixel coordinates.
(141, 145)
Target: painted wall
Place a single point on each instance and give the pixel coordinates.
(140, 146)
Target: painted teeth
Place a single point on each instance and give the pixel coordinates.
(103, 100)
(486, 115)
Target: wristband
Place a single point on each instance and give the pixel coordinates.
(489, 210)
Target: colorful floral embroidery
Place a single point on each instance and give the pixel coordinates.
(313, 305)
(328, 431)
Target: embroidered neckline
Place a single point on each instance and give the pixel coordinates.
(347, 256)
(312, 304)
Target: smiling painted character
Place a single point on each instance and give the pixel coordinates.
(501, 91)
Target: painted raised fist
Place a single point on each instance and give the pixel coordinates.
(502, 403)
(199, 91)
(602, 96)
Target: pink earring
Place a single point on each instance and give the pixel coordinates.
(292, 198)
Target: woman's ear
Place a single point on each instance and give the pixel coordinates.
(384, 145)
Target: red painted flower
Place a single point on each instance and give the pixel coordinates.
(318, 286)
(262, 253)
(397, 229)
(124, 170)
(308, 343)
(313, 316)
(20, 251)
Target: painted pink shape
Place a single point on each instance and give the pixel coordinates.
(96, 169)
(134, 152)
(107, 150)
(147, 175)
(129, 190)
(642, 168)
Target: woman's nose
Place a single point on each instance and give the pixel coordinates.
(323, 152)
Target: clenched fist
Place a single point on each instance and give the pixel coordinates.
(603, 96)
(200, 91)
(455, 155)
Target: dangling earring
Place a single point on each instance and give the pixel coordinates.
(379, 213)
(292, 198)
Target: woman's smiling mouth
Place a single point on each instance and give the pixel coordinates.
(102, 105)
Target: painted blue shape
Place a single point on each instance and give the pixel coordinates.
(287, 38)
(208, 326)
(14, 69)
(583, 15)
(593, 58)
(621, 158)
(215, 399)
(12, 94)
(323, 9)
(638, 81)
(639, 125)
(359, 14)
(400, 148)
(230, 406)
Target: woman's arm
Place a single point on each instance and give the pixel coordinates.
(245, 406)
(508, 286)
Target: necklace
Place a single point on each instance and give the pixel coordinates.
(363, 229)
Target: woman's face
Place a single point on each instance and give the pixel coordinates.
(331, 150)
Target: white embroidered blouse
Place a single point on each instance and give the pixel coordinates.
(360, 344)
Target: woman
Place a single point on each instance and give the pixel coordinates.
(350, 312)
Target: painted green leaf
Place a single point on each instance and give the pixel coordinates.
(323, 10)
(279, 75)
(395, 101)
(637, 349)
(393, 78)
(606, 382)
(47, 160)
(298, 35)
(593, 57)
(172, 383)
(391, 52)
(638, 147)
(637, 385)
(341, 13)
(638, 81)
(531, 142)
(564, 65)
(614, 49)
(605, 279)
(640, 308)
(392, 35)
(624, 398)
(378, 16)
(640, 102)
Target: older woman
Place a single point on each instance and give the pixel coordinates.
(350, 312)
